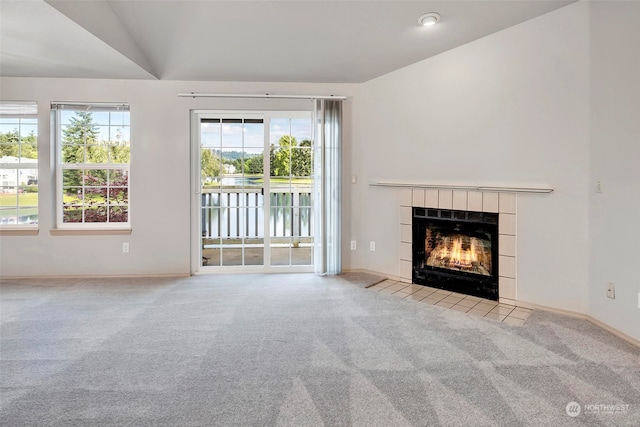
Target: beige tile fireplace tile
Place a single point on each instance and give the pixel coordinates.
(405, 269)
(425, 292)
(397, 286)
(495, 316)
(507, 224)
(406, 215)
(406, 197)
(431, 198)
(452, 299)
(434, 298)
(461, 308)
(418, 197)
(444, 304)
(460, 200)
(507, 287)
(489, 202)
(415, 288)
(405, 251)
(486, 305)
(405, 233)
(445, 199)
(474, 201)
(506, 266)
(507, 245)
(507, 203)
(400, 294)
(457, 294)
(477, 312)
(468, 303)
(504, 310)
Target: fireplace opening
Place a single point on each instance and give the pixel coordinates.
(456, 251)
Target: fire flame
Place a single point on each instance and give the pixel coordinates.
(458, 257)
(460, 252)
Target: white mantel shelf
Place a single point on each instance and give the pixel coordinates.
(462, 187)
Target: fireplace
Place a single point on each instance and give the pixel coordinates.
(456, 250)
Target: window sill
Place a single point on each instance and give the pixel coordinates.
(90, 231)
(17, 231)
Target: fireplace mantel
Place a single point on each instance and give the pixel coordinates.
(501, 189)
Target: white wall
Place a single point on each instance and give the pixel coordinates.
(509, 109)
(160, 201)
(615, 159)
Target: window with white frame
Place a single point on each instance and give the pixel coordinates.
(18, 164)
(93, 154)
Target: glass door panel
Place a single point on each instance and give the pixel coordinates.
(251, 163)
(291, 187)
(232, 201)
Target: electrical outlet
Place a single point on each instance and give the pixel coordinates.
(372, 246)
(611, 290)
(125, 248)
(353, 245)
(354, 179)
(638, 299)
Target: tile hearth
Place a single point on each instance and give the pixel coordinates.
(488, 309)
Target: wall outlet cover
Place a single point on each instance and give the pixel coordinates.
(611, 290)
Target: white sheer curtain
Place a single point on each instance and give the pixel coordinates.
(327, 167)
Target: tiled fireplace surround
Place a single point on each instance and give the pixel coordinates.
(503, 203)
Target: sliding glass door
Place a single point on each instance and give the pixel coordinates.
(253, 197)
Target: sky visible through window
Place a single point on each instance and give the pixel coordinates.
(232, 134)
(24, 125)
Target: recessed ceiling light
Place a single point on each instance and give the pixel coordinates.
(429, 19)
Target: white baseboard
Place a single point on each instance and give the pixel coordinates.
(614, 331)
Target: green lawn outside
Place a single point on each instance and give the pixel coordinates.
(26, 199)
(294, 181)
(31, 199)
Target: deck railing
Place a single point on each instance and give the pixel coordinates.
(237, 213)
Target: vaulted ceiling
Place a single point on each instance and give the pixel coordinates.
(271, 41)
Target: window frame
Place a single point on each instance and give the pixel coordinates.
(57, 108)
(25, 110)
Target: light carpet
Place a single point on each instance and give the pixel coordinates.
(296, 350)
